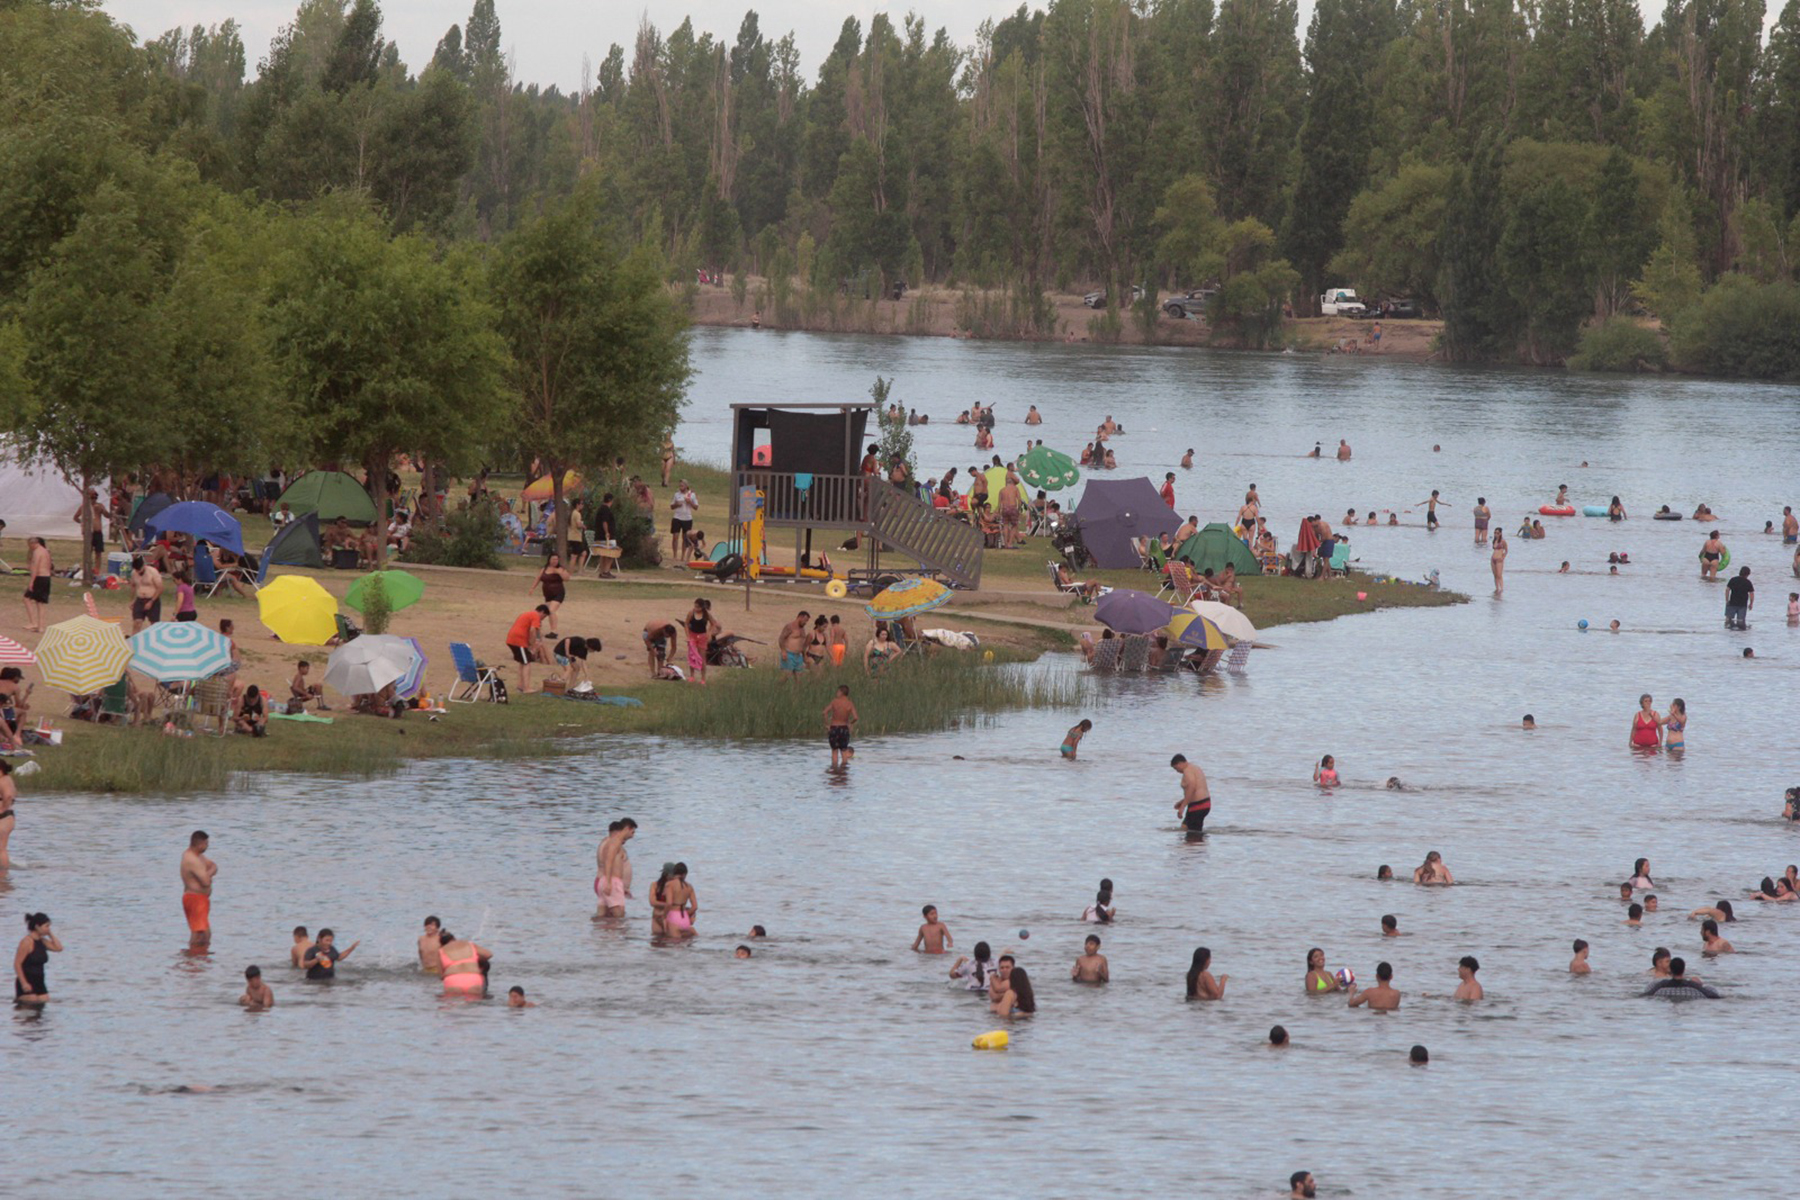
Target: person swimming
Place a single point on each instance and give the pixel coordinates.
(1678, 986)
(1433, 872)
(1325, 774)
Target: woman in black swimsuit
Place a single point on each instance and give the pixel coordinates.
(9, 794)
(554, 580)
(29, 959)
(817, 643)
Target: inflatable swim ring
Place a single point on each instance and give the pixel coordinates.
(1593, 510)
(837, 589)
(1567, 510)
(1668, 516)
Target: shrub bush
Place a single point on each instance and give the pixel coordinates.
(470, 537)
(1741, 330)
(1618, 344)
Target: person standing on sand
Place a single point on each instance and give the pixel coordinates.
(837, 642)
(1483, 515)
(1012, 505)
(612, 885)
(681, 518)
(1196, 799)
(1498, 560)
(840, 720)
(146, 594)
(197, 873)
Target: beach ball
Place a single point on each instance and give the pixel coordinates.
(1024, 934)
(1582, 624)
(1347, 977)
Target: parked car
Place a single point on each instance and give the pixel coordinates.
(1402, 310)
(1098, 299)
(1190, 305)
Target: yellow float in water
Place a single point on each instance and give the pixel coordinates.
(837, 589)
(993, 1040)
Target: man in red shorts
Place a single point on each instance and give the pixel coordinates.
(197, 873)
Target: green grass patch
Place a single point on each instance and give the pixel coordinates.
(947, 690)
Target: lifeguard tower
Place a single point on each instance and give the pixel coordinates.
(806, 461)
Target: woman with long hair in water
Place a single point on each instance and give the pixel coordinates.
(1018, 998)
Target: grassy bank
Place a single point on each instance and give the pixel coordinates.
(917, 695)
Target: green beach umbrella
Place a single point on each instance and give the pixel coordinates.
(403, 589)
(1051, 470)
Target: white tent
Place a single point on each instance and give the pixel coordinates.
(35, 499)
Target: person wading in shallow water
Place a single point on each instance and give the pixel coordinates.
(197, 873)
(1196, 800)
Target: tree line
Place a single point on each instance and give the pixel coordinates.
(1544, 173)
(155, 314)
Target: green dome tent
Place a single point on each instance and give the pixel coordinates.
(330, 494)
(1216, 547)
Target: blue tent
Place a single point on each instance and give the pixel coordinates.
(203, 521)
(295, 544)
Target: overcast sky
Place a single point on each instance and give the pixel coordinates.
(548, 37)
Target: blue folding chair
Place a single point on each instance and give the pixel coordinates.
(472, 675)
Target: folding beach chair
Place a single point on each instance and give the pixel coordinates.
(1182, 584)
(472, 675)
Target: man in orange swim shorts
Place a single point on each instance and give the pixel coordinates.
(197, 873)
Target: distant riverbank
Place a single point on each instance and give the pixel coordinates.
(936, 311)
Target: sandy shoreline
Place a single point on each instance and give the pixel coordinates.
(937, 311)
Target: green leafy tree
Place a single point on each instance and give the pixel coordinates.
(1620, 233)
(1481, 321)
(599, 351)
(382, 347)
(1391, 236)
(1544, 263)
(1671, 280)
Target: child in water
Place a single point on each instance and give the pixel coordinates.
(934, 935)
(1072, 739)
(1325, 774)
(1794, 608)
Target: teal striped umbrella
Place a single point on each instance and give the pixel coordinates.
(414, 679)
(175, 651)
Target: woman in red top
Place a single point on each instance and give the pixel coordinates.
(1646, 725)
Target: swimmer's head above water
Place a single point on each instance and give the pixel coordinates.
(1530, 722)
(1384, 872)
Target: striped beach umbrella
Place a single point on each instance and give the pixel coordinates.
(907, 598)
(1195, 631)
(414, 679)
(13, 654)
(174, 651)
(82, 655)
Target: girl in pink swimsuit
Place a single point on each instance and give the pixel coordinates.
(462, 964)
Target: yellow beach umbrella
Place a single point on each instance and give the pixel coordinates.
(1198, 633)
(297, 610)
(83, 655)
(908, 598)
(541, 490)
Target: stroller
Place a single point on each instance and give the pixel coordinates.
(725, 652)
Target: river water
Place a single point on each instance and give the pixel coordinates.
(837, 1062)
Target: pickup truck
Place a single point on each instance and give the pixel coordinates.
(1341, 302)
(1189, 305)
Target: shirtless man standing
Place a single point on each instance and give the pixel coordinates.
(197, 873)
(792, 642)
(37, 584)
(613, 886)
(1470, 987)
(146, 594)
(430, 961)
(1196, 799)
(1383, 997)
(1012, 502)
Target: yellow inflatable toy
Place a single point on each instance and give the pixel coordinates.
(995, 1040)
(837, 589)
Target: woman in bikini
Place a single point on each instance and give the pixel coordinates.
(818, 643)
(1318, 980)
(1675, 725)
(1432, 872)
(662, 898)
(668, 459)
(1646, 726)
(1498, 559)
(683, 906)
(464, 965)
(554, 580)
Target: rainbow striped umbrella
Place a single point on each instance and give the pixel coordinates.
(82, 655)
(14, 654)
(175, 651)
(414, 679)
